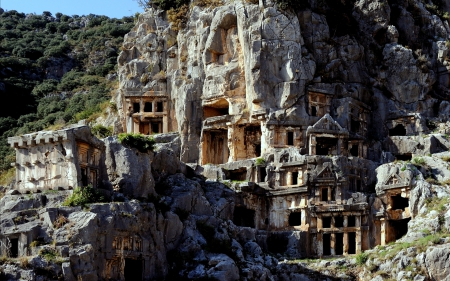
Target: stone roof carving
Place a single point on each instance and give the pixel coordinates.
(327, 124)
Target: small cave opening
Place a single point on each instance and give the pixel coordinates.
(399, 227)
(244, 217)
(14, 250)
(136, 107)
(326, 222)
(238, 175)
(404, 157)
(380, 36)
(295, 219)
(351, 243)
(354, 150)
(290, 138)
(339, 221)
(213, 112)
(325, 146)
(277, 243)
(148, 107)
(339, 243)
(398, 130)
(351, 221)
(133, 269)
(326, 240)
(399, 203)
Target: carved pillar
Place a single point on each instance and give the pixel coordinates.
(165, 124)
(312, 145)
(384, 231)
(319, 244)
(339, 148)
(333, 244)
(345, 238)
(289, 180)
(358, 241)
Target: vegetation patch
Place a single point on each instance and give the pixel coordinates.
(101, 131)
(139, 141)
(82, 196)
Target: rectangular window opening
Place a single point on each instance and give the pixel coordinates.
(351, 221)
(290, 138)
(159, 106)
(295, 178)
(326, 222)
(136, 107)
(324, 196)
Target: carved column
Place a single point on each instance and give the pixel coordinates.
(333, 244)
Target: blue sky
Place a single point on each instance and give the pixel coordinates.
(110, 8)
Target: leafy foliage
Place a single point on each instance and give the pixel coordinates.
(82, 196)
(55, 66)
(101, 131)
(139, 141)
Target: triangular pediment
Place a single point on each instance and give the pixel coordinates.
(327, 124)
(326, 173)
(393, 180)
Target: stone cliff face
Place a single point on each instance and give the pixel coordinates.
(310, 134)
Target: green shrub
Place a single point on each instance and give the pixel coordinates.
(49, 254)
(138, 141)
(260, 161)
(419, 161)
(361, 258)
(101, 131)
(82, 196)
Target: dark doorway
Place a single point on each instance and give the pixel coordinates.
(339, 221)
(136, 107)
(325, 146)
(295, 219)
(257, 149)
(399, 202)
(324, 196)
(398, 130)
(277, 243)
(84, 177)
(244, 217)
(339, 244)
(155, 128)
(313, 111)
(399, 227)
(326, 238)
(238, 175)
(262, 174)
(358, 185)
(159, 106)
(14, 247)
(351, 243)
(354, 150)
(133, 270)
(351, 221)
(148, 107)
(355, 126)
(326, 222)
(290, 138)
(294, 178)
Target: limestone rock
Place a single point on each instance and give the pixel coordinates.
(129, 170)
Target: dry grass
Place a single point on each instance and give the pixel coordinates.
(7, 176)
